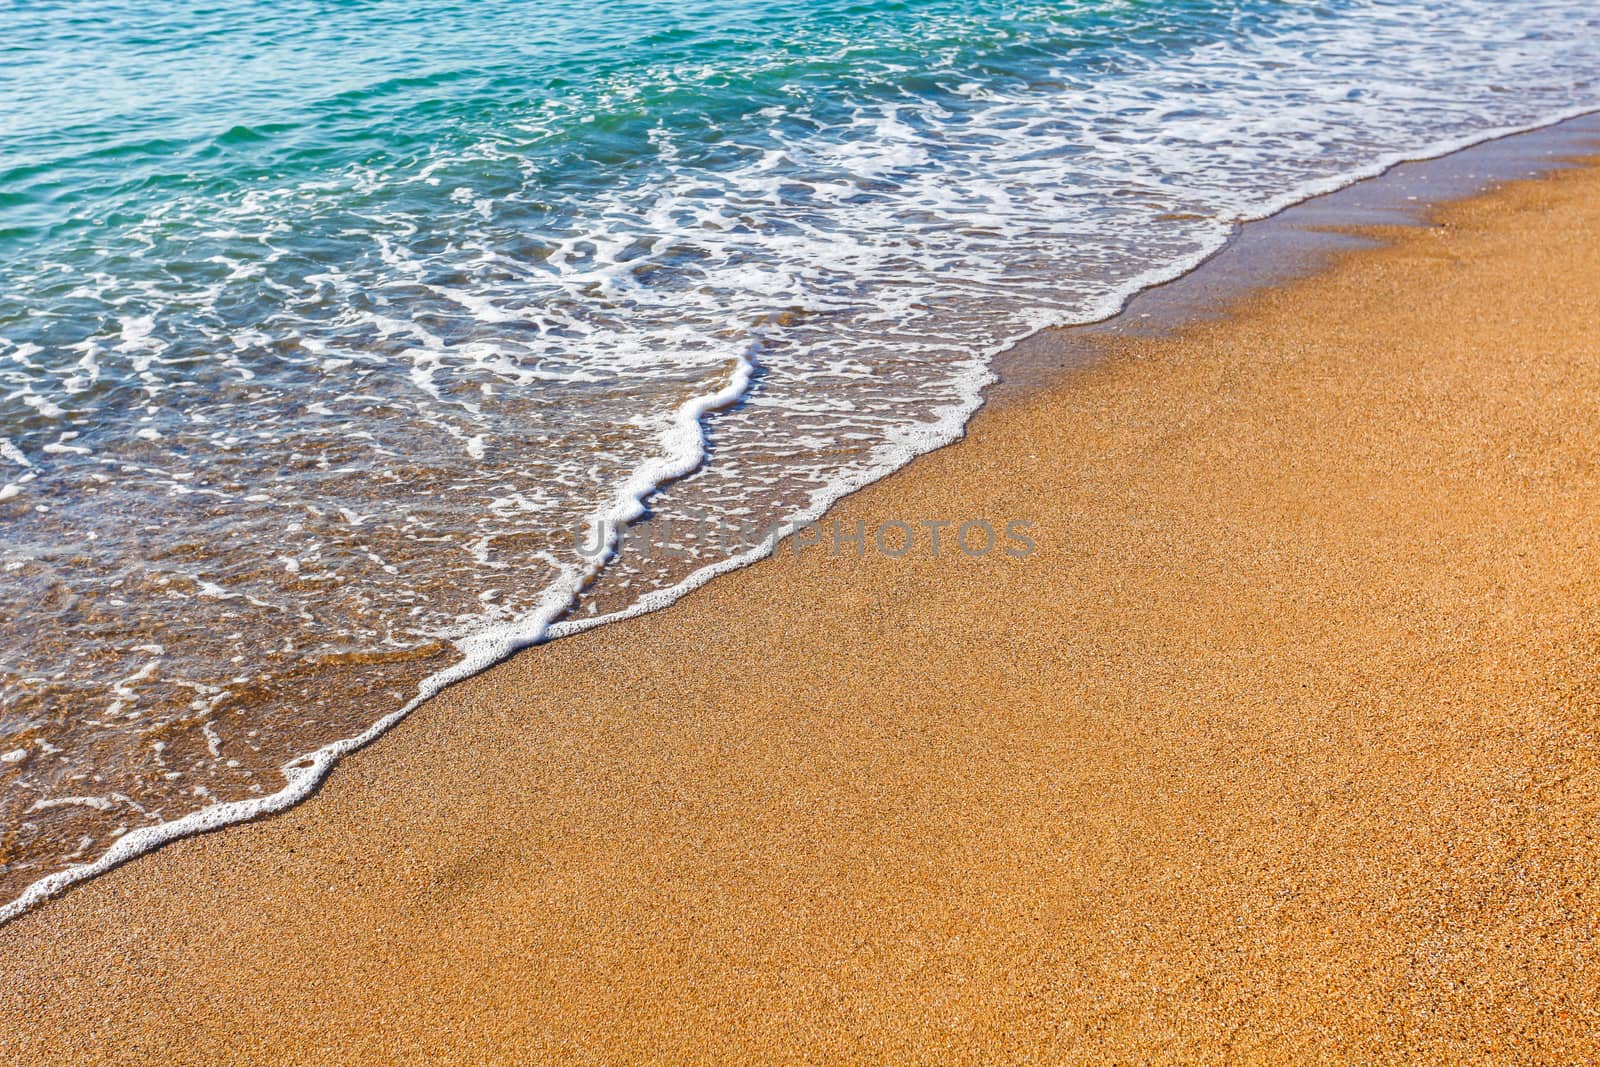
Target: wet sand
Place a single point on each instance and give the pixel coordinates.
(1283, 744)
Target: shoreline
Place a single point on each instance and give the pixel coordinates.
(869, 815)
(1292, 239)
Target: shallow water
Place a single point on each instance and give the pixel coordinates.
(330, 332)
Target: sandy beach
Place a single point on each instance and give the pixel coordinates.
(1282, 745)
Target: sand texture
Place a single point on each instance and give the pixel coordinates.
(1281, 746)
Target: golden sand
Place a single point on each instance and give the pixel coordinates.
(1282, 746)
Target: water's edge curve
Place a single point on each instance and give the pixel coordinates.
(683, 449)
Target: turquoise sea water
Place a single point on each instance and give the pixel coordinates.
(327, 329)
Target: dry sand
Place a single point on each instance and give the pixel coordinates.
(1282, 746)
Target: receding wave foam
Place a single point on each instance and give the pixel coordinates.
(324, 426)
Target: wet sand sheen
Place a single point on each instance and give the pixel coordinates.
(1282, 745)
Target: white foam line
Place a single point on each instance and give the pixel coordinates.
(684, 448)
(949, 431)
